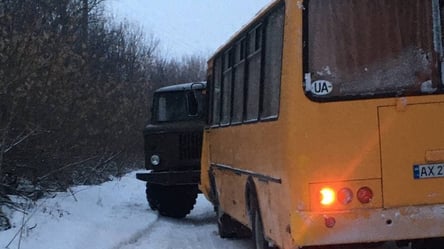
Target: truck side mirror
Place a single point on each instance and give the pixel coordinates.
(193, 108)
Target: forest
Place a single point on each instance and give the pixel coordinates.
(75, 94)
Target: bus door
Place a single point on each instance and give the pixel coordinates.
(412, 153)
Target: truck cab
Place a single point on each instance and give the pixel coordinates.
(172, 147)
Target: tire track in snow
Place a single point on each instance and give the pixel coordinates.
(196, 231)
(138, 235)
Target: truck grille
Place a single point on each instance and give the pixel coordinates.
(190, 145)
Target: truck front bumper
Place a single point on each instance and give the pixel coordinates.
(169, 178)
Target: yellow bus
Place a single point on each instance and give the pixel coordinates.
(326, 125)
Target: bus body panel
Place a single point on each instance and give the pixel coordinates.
(244, 150)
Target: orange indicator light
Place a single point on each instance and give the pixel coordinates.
(328, 196)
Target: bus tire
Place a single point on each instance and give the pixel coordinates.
(172, 201)
(229, 227)
(257, 226)
(226, 225)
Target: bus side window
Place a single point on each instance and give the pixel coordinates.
(254, 74)
(216, 92)
(238, 82)
(272, 64)
(227, 87)
(247, 75)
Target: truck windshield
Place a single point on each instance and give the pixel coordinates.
(178, 106)
(371, 48)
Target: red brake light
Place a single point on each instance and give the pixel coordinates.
(365, 195)
(330, 221)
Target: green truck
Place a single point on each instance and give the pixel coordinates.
(173, 141)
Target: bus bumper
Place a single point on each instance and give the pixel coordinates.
(367, 225)
(169, 178)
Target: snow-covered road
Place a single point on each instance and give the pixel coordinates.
(114, 215)
(197, 231)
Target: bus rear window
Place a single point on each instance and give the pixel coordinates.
(371, 48)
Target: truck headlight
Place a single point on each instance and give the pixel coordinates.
(155, 160)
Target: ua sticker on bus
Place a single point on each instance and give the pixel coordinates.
(321, 87)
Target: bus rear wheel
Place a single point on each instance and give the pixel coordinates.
(259, 240)
(229, 227)
(258, 232)
(172, 201)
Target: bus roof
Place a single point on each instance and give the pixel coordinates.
(248, 25)
(183, 87)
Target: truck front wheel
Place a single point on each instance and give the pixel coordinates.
(152, 197)
(172, 201)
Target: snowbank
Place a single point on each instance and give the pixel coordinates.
(105, 216)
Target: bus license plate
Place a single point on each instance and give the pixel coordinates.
(428, 171)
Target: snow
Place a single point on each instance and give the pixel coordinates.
(113, 215)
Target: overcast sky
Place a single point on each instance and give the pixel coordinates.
(187, 27)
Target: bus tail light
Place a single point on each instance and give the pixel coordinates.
(328, 196)
(365, 195)
(345, 196)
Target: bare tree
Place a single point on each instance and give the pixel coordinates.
(64, 58)
(75, 90)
